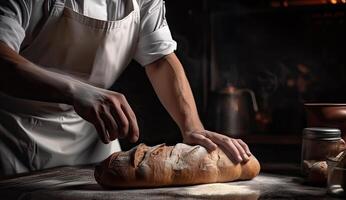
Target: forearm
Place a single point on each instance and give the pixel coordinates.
(21, 78)
(172, 87)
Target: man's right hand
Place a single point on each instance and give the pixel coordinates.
(108, 111)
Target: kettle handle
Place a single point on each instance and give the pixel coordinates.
(253, 98)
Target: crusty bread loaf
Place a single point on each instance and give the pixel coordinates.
(163, 165)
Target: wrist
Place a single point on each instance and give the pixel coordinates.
(74, 91)
(70, 92)
(191, 127)
(63, 88)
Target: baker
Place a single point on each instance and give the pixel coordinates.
(57, 60)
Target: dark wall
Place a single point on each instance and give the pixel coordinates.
(285, 55)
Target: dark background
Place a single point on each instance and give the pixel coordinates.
(287, 55)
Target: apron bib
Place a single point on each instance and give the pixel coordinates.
(36, 135)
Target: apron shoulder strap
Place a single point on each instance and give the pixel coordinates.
(135, 5)
(60, 1)
(49, 4)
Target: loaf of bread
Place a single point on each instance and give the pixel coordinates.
(163, 165)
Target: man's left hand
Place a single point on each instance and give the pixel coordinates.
(235, 149)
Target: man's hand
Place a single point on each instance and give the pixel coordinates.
(108, 111)
(235, 149)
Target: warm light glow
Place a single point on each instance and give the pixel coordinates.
(287, 3)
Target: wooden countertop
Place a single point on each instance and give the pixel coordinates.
(71, 183)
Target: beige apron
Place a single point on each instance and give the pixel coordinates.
(36, 135)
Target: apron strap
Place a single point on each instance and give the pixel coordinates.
(49, 4)
(135, 5)
(59, 2)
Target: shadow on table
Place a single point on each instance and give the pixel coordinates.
(88, 186)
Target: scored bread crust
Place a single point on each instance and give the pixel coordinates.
(162, 165)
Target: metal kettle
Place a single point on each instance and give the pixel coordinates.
(232, 111)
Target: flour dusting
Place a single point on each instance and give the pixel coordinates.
(219, 190)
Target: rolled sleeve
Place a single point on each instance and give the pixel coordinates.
(11, 32)
(155, 39)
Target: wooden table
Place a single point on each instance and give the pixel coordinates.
(72, 183)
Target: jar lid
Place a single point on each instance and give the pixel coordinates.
(322, 133)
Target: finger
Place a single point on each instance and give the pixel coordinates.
(227, 145)
(206, 142)
(133, 125)
(101, 129)
(244, 145)
(110, 123)
(240, 150)
(122, 121)
(230, 147)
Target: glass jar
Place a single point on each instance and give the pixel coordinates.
(318, 144)
(336, 179)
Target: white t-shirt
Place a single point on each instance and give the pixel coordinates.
(21, 21)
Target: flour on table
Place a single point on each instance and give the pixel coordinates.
(219, 190)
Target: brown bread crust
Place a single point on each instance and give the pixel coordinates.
(163, 165)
